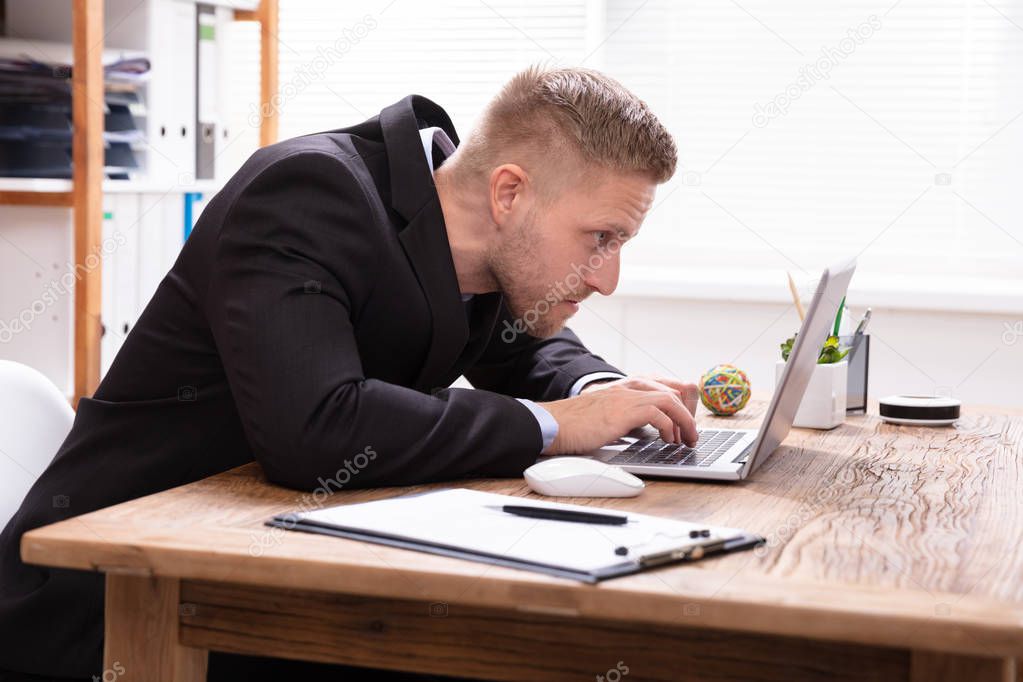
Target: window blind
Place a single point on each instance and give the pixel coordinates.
(807, 133)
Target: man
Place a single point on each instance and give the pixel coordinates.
(330, 294)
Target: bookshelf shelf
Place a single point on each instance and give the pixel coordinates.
(23, 191)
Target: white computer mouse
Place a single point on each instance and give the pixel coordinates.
(581, 477)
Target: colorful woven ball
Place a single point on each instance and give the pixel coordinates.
(724, 389)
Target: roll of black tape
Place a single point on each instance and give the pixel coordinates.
(919, 410)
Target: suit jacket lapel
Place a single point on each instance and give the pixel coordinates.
(424, 238)
(411, 181)
(485, 310)
(427, 249)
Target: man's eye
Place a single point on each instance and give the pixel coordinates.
(600, 238)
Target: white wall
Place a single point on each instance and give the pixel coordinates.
(973, 357)
(36, 306)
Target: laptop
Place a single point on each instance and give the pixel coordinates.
(734, 454)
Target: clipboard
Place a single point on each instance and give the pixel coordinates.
(464, 524)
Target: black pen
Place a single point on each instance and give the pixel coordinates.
(552, 514)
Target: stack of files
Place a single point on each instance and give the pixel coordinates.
(470, 524)
(36, 115)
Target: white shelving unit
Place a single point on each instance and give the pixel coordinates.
(51, 227)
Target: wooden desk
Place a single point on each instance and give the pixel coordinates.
(893, 554)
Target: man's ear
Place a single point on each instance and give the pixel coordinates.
(508, 184)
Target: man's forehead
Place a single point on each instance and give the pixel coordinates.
(617, 187)
(622, 205)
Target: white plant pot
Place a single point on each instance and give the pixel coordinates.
(823, 404)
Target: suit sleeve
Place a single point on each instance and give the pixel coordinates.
(296, 255)
(523, 366)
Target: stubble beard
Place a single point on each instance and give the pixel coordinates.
(517, 266)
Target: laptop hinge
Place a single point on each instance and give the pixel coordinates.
(744, 455)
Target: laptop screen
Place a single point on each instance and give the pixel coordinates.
(789, 393)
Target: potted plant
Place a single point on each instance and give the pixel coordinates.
(824, 402)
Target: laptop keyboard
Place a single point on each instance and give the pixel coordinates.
(711, 446)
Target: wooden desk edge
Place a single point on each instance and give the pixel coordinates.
(911, 619)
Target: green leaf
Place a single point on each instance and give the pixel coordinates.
(831, 351)
(786, 348)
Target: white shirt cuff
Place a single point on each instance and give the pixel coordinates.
(578, 386)
(548, 424)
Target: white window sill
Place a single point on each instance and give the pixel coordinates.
(953, 294)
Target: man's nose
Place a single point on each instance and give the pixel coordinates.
(605, 278)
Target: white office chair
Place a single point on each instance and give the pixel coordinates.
(35, 418)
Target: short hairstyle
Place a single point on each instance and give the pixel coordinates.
(575, 111)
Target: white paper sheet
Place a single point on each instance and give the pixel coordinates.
(461, 518)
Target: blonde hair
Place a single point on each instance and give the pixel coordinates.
(581, 114)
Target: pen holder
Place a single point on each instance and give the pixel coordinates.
(859, 370)
(824, 401)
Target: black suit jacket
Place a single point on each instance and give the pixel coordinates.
(312, 315)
